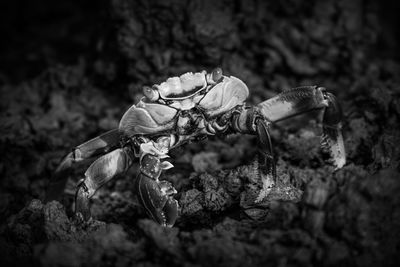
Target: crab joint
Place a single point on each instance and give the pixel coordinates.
(152, 166)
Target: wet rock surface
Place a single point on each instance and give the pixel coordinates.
(73, 74)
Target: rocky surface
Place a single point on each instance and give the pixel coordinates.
(70, 71)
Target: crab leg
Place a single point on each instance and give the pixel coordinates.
(332, 139)
(99, 173)
(252, 122)
(266, 161)
(285, 105)
(303, 99)
(90, 149)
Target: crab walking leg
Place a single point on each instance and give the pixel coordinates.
(266, 161)
(250, 121)
(99, 173)
(332, 139)
(285, 105)
(303, 99)
(92, 148)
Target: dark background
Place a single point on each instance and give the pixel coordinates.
(69, 70)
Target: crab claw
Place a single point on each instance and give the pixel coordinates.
(171, 210)
(156, 197)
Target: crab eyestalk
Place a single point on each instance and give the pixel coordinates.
(215, 76)
(151, 93)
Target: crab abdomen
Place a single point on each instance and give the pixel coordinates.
(147, 118)
(224, 96)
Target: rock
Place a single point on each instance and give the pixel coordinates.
(58, 226)
(164, 239)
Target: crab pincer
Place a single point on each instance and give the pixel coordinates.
(155, 195)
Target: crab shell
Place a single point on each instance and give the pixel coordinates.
(155, 118)
(187, 85)
(182, 87)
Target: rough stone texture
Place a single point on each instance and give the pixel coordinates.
(71, 78)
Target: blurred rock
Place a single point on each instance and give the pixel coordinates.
(164, 239)
(206, 161)
(364, 206)
(108, 246)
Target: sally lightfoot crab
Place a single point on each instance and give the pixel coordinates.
(185, 109)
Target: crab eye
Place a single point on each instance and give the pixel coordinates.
(150, 93)
(217, 74)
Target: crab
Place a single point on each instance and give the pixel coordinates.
(185, 109)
